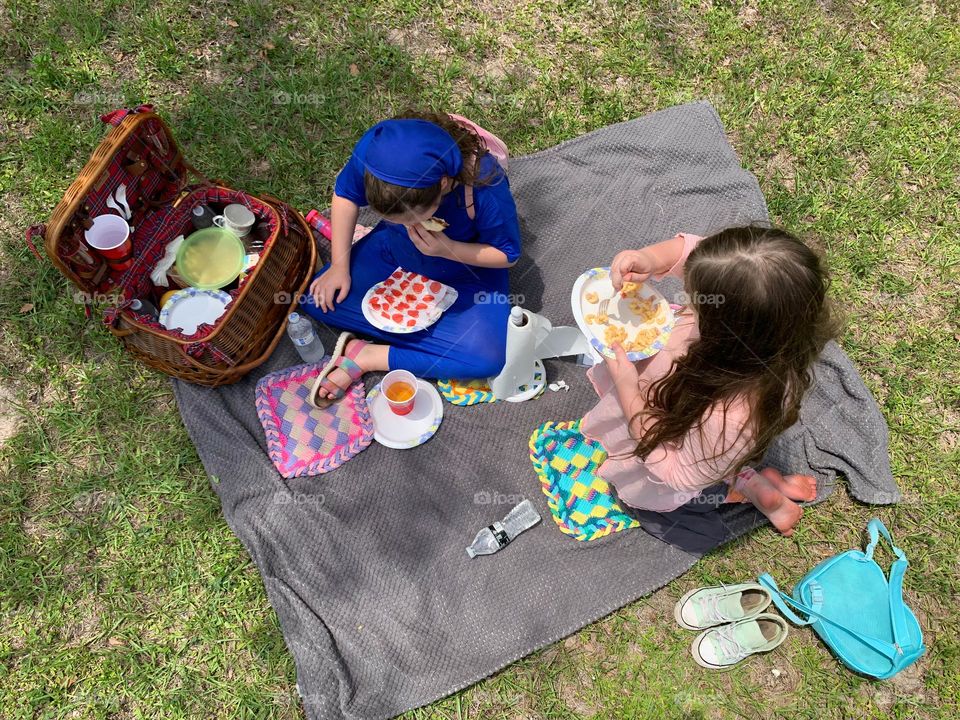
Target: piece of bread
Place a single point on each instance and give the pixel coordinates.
(435, 224)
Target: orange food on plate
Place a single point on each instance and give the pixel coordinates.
(614, 334)
(629, 289)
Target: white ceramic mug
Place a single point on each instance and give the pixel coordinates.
(237, 219)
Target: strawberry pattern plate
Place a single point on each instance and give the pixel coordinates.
(406, 302)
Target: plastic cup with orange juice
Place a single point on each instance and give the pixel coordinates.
(400, 389)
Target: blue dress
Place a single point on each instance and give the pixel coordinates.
(469, 339)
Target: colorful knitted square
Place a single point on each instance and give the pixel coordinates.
(580, 501)
(465, 392)
(301, 439)
(473, 392)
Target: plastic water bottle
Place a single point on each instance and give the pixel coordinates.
(144, 307)
(202, 217)
(305, 339)
(493, 537)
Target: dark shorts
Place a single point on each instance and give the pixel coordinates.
(696, 527)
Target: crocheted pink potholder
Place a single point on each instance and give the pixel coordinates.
(304, 440)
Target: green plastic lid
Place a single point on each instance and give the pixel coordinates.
(210, 258)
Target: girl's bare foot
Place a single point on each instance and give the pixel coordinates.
(802, 488)
(780, 510)
(785, 516)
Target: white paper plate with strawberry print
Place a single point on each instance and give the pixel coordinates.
(406, 302)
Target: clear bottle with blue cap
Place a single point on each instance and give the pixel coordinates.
(304, 337)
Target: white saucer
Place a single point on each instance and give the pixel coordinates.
(406, 431)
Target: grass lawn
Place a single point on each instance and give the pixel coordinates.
(124, 593)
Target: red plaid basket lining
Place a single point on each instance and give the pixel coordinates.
(163, 227)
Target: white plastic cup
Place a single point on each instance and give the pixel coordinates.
(399, 407)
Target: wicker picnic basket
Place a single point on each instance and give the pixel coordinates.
(162, 189)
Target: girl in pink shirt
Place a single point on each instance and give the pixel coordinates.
(706, 407)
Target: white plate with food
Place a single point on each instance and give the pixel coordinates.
(638, 317)
(406, 302)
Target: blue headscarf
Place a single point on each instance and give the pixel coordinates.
(412, 153)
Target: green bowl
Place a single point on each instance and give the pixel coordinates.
(210, 258)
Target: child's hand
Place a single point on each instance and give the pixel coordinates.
(622, 371)
(630, 266)
(432, 244)
(334, 284)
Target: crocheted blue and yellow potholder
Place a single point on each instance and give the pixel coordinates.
(465, 392)
(473, 392)
(579, 500)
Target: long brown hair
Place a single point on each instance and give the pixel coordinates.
(760, 297)
(389, 199)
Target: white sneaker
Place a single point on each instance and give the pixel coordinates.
(720, 648)
(719, 604)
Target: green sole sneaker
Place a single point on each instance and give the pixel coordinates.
(706, 607)
(722, 647)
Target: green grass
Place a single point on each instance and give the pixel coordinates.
(124, 592)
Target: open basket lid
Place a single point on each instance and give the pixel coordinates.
(138, 152)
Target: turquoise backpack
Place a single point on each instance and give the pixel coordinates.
(856, 611)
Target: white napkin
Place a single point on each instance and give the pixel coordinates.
(159, 273)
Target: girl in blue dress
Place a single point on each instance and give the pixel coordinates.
(411, 169)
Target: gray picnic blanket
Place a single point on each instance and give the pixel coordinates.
(365, 566)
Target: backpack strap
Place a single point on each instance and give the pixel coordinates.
(898, 611)
(889, 650)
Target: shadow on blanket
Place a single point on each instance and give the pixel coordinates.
(379, 604)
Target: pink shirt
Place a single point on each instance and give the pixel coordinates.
(672, 474)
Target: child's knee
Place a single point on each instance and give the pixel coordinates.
(484, 356)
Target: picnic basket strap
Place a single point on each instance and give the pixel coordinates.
(38, 229)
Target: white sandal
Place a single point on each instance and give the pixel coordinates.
(331, 365)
